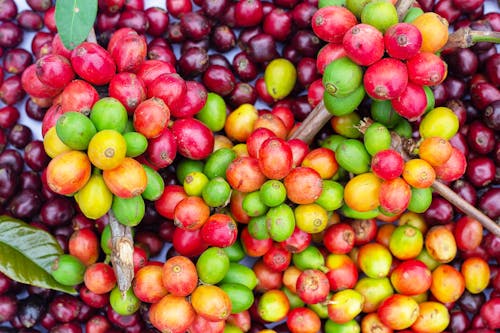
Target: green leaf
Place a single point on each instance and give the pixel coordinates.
(74, 19)
(27, 254)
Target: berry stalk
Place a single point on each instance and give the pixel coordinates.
(402, 7)
(308, 129)
(122, 249)
(466, 37)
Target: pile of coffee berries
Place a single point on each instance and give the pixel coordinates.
(178, 121)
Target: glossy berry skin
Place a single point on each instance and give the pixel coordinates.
(402, 40)
(480, 137)
(84, 245)
(11, 90)
(219, 230)
(194, 26)
(54, 70)
(129, 89)
(158, 21)
(8, 307)
(194, 139)
(93, 63)
(20, 135)
(36, 88)
(29, 20)
(8, 10)
(129, 51)
(99, 278)
(78, 95)
(386, 79)
(364, 44)
(11, 35)
(330, 23)
(65, 308)
(278, 23)
(219, 79)
(39, 5)
(16, 60)
(387, 164)
(249, 13)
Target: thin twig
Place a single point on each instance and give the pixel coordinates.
(314, 121)
(402, 7)
(466, 207)
(122, 250)
(466, 37)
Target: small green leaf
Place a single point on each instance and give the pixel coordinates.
(27, 254)
(74, 19)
